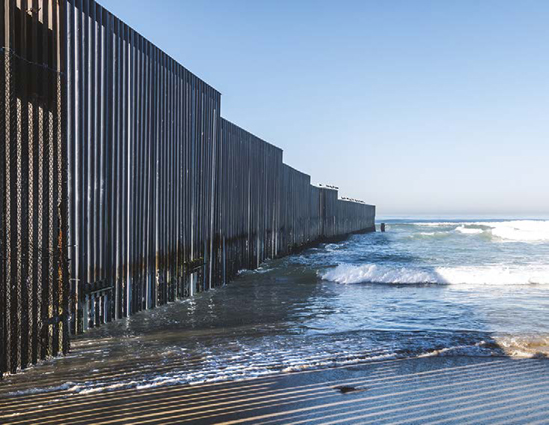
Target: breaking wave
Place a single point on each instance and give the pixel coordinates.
(515, 231)
(468, 230)
(489, 275)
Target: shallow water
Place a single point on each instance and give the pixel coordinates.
(422, 288)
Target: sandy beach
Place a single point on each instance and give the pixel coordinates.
(435, 390)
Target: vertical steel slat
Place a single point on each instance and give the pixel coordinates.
(168, 179)
(86, 159)
(47, 237)
(63, 200)
(121, 170)
(115, 176)
(126, 149)
(22, 191)
(133, 160)
(155, 131)
(54, 182)
(71, 156)
(3, 199)
(100, 152)
(12, 326)
(147, 183)
(160, 184)
(79, 278)
(92, 159)
(106, 70)
(137, 173)
(139, 176)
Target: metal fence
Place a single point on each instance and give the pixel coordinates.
(268, 209)
(110, 137)
(34, 281)
(143, 136)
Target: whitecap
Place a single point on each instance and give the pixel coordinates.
(532, 231)
(478, 275)
(521, 230)
(469, 231)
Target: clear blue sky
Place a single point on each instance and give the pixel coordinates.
(416, 106)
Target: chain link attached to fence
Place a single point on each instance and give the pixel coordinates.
(34, 286)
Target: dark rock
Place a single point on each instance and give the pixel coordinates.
(344, 389)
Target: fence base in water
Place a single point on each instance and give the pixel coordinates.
(125, 189)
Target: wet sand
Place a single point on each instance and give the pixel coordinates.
(457, 390)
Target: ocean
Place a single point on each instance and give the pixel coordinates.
(425, 287)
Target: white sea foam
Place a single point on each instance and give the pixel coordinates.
(29, 391)
(514, 230)
(424, 234)
(488, 275)
(523, 230)
(468, 230)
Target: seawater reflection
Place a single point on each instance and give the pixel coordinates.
(299, 312)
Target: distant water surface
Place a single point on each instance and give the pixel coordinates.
(423, 288)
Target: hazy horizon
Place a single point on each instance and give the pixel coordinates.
(418, 107)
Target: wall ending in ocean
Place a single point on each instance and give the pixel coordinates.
(125, 187)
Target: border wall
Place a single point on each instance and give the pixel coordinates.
(124, 188)
(143, 137)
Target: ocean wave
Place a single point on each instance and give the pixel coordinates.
(522, 231)
(488, 275)
(513, 230)
(429, 234)
(468, 230)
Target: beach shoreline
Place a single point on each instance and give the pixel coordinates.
(419, 390)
